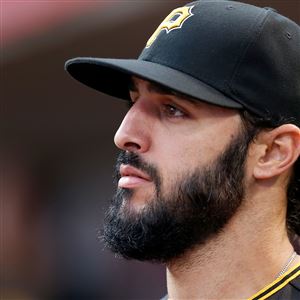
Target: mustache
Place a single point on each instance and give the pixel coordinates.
(135, 160)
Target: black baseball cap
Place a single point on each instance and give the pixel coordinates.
(222, 52)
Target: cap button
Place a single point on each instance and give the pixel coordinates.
(270, 8)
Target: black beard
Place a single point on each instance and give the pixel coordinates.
(195, 209)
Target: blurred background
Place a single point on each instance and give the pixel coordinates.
(57, 152)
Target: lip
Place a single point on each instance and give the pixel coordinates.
(132, 177)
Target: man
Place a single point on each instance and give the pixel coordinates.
(208, 176)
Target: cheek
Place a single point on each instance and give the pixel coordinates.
(178, 152)
(174, 162)
(174, 158)
(189, 150)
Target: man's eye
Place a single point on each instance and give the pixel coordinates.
(172, 111)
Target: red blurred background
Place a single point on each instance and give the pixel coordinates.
(57, 151)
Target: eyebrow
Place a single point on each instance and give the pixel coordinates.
(163, 90)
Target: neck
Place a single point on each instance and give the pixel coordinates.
(237, 263)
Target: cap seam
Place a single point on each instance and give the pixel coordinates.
(250, 44)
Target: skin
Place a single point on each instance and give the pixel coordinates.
(173, 134)
(176, 135)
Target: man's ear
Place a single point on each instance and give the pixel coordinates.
(278, 150)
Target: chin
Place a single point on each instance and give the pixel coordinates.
(136, 200)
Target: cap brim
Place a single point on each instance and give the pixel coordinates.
(112, 76)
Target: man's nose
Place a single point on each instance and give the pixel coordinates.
(133, 134)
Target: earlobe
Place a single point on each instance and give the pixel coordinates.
(279, 149)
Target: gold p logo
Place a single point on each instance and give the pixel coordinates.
(173, 21)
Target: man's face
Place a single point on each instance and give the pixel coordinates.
(180, 174)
